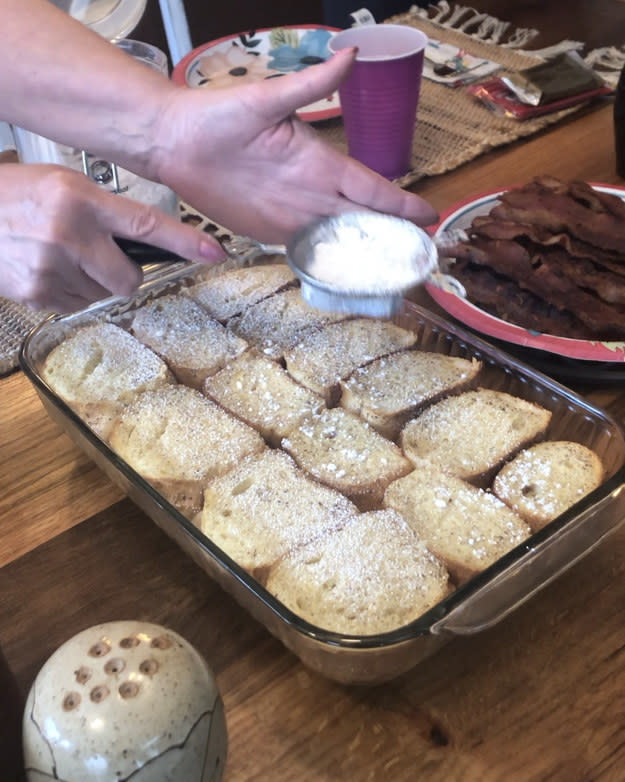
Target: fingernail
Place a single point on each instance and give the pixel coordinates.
(212, 251)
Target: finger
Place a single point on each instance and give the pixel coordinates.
(63, 294)
(363, 187)
(284, 96)
(106, 270)
(66, 301)
(162, 230)
(103, 261)
(52, 277)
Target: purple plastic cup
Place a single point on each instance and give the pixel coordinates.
(379, 98)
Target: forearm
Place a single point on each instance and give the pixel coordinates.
(59, 79)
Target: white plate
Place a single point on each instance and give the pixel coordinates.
(450, 298)
(261, 54)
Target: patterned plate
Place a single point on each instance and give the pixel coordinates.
(257, 55)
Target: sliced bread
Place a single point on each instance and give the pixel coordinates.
(392, 389)
(100, 368)
(233, 291)
(344, 452)
(543, 481)
(193, 344)
(262, 393)
(265, 507)
(464, 526)
(471, 435)
(177, 439)
(370, 576)
(275, 323)
(322, 358)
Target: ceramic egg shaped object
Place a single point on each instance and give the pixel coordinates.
(125, 700)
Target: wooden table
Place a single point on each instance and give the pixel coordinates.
(538, 697)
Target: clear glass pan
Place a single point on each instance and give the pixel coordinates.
(475, 606)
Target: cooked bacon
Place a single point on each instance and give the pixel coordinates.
(502, 298)
(608, 286)
(599, 200)
(560, 212)
(546, 277)
(586, 268)
(561, 244)
(490, 228)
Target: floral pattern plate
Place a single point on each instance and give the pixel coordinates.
(257, 55)
(450, 296)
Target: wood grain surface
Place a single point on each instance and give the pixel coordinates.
(538, 697)
(508, 704)
(47, 483)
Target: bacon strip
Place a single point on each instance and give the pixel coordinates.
(586, 268)
(544, 276)
(560, 212)
(502, 298)
(563, 243)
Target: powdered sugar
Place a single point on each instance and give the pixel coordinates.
(371, 253)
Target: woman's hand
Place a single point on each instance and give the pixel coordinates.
(56, 238)
(241, 157)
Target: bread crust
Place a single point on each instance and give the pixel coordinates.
(472, 434)
(262, 393)
(325, 356)
(464, 526)
(342, 451)
(193, 344)
(543, 481)
(391, 390)
(177, 439)
(101, 368)
(372, 575)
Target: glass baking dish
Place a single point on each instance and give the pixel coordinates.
(473, 607)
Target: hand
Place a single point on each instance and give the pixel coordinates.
(242, 158)
(56, 238)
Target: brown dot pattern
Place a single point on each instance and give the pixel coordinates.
(100, 649)
(71, 701)
(113, 667)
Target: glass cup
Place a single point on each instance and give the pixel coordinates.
(145, 53)
(379, 98)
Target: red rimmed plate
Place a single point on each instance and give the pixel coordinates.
(449, 295)
(261, 54)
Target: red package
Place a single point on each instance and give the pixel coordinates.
(498, 98)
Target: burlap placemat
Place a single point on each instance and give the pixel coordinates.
(452, 126)
(15, 323)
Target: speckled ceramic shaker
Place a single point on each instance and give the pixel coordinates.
(125, 700)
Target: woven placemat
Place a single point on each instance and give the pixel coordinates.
(15, 323)
(452, 126)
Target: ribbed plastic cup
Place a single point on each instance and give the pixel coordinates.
(380, 96)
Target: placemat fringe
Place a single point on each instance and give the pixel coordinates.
(608, 61)
(556, 48)
(490, 29)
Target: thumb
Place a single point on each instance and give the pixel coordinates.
(286, 95)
